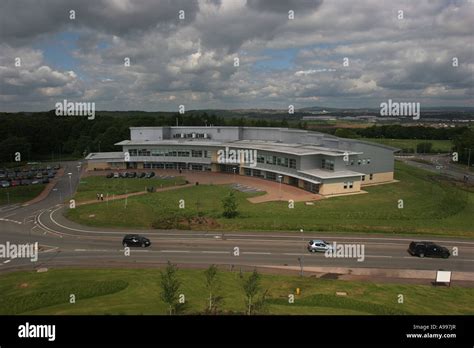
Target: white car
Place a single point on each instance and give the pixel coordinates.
(316, 245)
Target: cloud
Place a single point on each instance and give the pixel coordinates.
(191, 61)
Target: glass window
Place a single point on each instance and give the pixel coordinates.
(292, 163)
(351, 184)
(345, 185)
(196, 153)
(368, 160)
(363, 177)
(371, 176)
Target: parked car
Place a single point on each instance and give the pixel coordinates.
(116, 175)
(39, 176)
(316, 245)
(135, 240)
(45, 180)
(4, 184)
(56, 167)
(15, 183)
(150, 175)
(141, 175)
(428, 249)
(109, 175)
(123, 175)
(132, 175)
(25, 182)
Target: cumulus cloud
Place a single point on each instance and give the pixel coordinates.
(192, 61)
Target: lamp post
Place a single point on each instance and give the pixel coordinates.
(468, 159)
(235, 169)
(70, 183)
(302, 253)
(279, 190)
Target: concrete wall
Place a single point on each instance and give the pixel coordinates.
(332, 188)
(378, 178)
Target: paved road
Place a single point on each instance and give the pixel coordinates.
(64, 243)
(440, 164)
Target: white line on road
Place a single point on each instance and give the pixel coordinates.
(255, 253)
(6, 261)
(175, 251)
(215, 252)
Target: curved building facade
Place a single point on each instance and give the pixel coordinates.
(316, 162)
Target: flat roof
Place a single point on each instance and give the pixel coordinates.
(273, 146)
(329, 174)
(105, 155)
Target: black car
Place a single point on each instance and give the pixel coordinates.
(135, 240)
(141, 175)
(428, 249)
(132, 175)
(150, 175)
(109, 175)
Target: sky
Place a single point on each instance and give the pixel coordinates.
(334, 53)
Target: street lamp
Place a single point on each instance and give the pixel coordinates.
(60, 196)
(235, 169)
(279, 179)
(468, 159)
(70, 184)
(302, 253)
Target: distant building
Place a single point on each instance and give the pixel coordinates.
(315, 162)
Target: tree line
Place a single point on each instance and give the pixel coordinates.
(43, 135)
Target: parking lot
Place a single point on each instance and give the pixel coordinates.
(27, 175)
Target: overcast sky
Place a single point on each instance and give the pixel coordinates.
(190, 61)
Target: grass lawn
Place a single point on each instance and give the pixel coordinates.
(438, 145)
(91, 185)
(108, 291)
(431, 206)
(20, 194)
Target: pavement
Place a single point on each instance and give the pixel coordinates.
(67, 244)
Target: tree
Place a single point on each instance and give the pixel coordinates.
(230, 205)
(170, 284)
(212, 287)
(251, 287)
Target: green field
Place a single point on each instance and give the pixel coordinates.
(438, 145)
(91, 185)
(430, 206)
(137, 291)
(20, 194)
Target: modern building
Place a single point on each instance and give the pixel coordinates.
(316, 162)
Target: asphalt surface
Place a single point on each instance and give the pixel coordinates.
(64, 243)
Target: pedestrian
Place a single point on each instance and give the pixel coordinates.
(101, 196)
(97, 196)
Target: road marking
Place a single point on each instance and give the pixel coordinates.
(6, 261)
(255, 253)
(215, 252)
(231, 236)
(379, 256)
(175, 251)
(8, 220)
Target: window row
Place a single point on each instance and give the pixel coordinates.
(361, 161)
(277, 161)
(170, 153)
